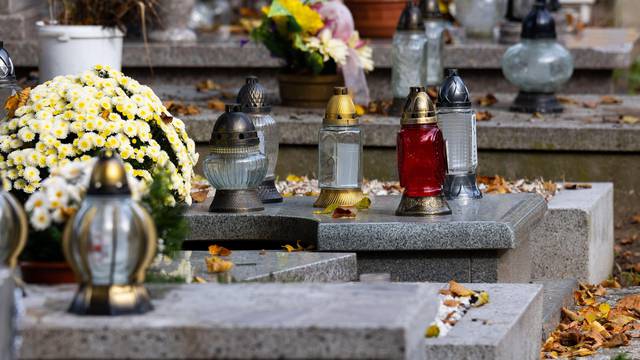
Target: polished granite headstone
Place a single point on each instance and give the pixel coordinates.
(482, 241)
(265, 266)
(239, 321)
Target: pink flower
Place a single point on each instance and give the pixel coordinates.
(337, 18)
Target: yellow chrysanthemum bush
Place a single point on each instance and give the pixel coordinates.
(71, 118)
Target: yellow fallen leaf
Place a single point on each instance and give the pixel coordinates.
(219, 250)
(14, 102)
(459, 290)
(360, 110)
(294, 178)
(583, 352)
(217, 265)
(604, 309)
(483, 298)
(432, 331)
(629, 119)
(199, 280)
(328, 210)
(290, 248)
(364, 203)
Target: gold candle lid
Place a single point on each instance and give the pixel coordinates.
(418, 109)
(340, 111)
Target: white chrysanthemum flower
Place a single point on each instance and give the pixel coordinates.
(40, 219)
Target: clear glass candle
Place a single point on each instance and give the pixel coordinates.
(435, 49)
(269, 140)
(408, 52)
(241, 169)
(340, 157)
(479, 17)
(537, 65)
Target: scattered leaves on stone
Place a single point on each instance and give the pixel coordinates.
(180, 108)
(291, 248)
(576, 186)
(592, 324)
(483, 115)
(488, 100)
(455, 301)
(381, 107)
(217, 250)
(499, 185)
(216, 264)
(610, 100)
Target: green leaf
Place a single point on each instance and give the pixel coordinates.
(364, 203)
(315, 62)
(328, 210)
(277, 9)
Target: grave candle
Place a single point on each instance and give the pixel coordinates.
(8, 83)
(235, 167)
(252, 100)
(434, 25)
(408, 54)
(457, 120)
(538, 65)
(421, 158)
(109, 243)
(340, 153)
(14, 229)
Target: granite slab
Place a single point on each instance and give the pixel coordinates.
(239, 321)
(493, 222)
(594, 48)
(7, 315)
(267, 266)
(576, 129)
(506, 328)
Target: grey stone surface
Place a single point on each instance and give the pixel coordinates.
(239, 321)
(595, 48)
(12, 6)
(18, 25)
(271, 266)
(506, 328)
(7, 313)
(493, 222)
(557, 294)
(575, 240)
(486, 241)
(577, 129)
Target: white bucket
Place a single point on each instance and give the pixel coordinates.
(72, 49)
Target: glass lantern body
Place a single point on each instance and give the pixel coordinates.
(8, 88)
(421, 160)
(480, 17)
(340, 157)
(240, 170)
(115, 240)
(408, 61)
(435, 48)
(537, 66)
(458, 127)
(267, 130)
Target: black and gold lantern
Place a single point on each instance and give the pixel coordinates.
(109, 243)
(13, 230)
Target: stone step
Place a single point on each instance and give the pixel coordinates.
(484, 241)
(239, 321)
(268, 266)
(557, 294)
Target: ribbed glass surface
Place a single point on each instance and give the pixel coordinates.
(111, 239)
(537, 65)
(235, 171)
(435, 45)
(408, 62)
(269, 140)
(340, 157)
(480, 17)
(459, 130)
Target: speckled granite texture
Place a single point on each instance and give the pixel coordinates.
(239, 321)
(7, 311)
(485, 241)
(506, 328)
(272, 266)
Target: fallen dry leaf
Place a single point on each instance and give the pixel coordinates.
(576, 186)
(488, 100)
(635, 219)
(458, 290)
(15, 101)
(537, 115)
(610, 100)
(360, 110)
(495, 184)
(432, 331)
(166, 118)
(178, 107)
(217, 250)
(567, 100)
(343, 213)
(483, 115)
(218, 265)
(290, 248)
(627, 241)
(451, 303)
(215, 104)
(432, 91)
(207, 85)
(199, 196)
(629, 119)
(590, 104)
(630, 302)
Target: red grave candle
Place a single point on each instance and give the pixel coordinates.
(421, 160)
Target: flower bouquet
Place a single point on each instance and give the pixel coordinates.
(316, 39)
(53, 132)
